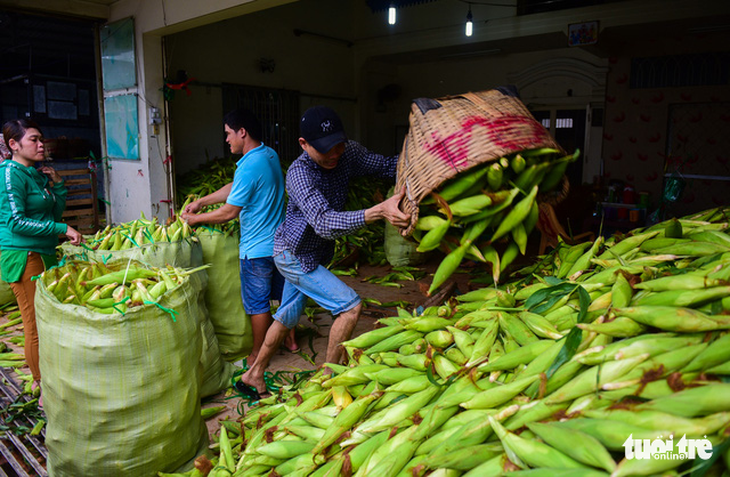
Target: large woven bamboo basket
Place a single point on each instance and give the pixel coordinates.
(450, 135)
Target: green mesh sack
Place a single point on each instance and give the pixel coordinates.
(223, 294)
(121, 396)
(184, 253)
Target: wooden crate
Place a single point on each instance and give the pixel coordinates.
(82, 209)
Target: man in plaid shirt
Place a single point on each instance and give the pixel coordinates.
(318, 182)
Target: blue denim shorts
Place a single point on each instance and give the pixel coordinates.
(320, 285)
(260, 283)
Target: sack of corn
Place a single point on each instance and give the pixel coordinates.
(158, 246)
(6, 294)
(399, 251)
(223, 293)
(566, 370)
(119, 390)
(7, 297)
(474, 167)
(141, 239)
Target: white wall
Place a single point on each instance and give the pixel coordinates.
(146, 185)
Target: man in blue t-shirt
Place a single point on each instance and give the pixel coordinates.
(256, 196)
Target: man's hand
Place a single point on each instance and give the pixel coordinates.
(193, 207)
(189, 217)
(388, 210)
(73, 235)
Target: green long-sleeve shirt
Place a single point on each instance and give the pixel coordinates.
(30, 216)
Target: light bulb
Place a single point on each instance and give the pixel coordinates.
(469, 25)
(391, 15)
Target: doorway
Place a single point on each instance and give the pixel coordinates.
(568, 127)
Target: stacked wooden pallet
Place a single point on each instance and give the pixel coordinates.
(82, 210)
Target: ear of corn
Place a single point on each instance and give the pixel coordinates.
(578, 445)
(634, 370)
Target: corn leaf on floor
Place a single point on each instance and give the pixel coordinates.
(318, 326)
(311, 335)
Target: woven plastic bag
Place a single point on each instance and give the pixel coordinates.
(450, 135)
(223, 294)
(6, 294)
(121, 396)
(185, 253)
(400, 251)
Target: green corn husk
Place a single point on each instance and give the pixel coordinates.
(612, 434)
(716, 353)
(620, 327)
(527, 452)
(578, 445)
(593, 378)
(499, 394)
(693, 402)
(672, 318)
(399, 411)
(522, 355)
(563, 472)
(464, 458)
(662, 421)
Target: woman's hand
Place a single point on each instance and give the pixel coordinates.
(52, 174)
(74, 236)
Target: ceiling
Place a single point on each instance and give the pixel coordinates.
(94, 9)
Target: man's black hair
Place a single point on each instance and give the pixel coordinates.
(243, 118)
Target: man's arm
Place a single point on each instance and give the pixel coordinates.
(368, 163)
(388, 210)
(219, 216)
(214, 198)
(319, 214)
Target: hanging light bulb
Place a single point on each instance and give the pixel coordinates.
(469, 25)
(391, 14)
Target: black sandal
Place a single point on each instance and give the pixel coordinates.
(248, 391)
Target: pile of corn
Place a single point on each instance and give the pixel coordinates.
(553, 372)
(112, 288)
(488, 203)
(137, 233)
(207, 178)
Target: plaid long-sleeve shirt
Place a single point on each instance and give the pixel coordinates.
(315, 214)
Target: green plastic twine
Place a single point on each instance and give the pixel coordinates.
(166, 310)
(124, 301)
(131, 240)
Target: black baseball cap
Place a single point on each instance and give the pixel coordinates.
(322, 128)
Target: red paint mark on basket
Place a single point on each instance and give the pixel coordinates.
(512, 133)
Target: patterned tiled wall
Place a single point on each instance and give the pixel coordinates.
(641, 122)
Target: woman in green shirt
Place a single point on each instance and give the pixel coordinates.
(31, 205)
